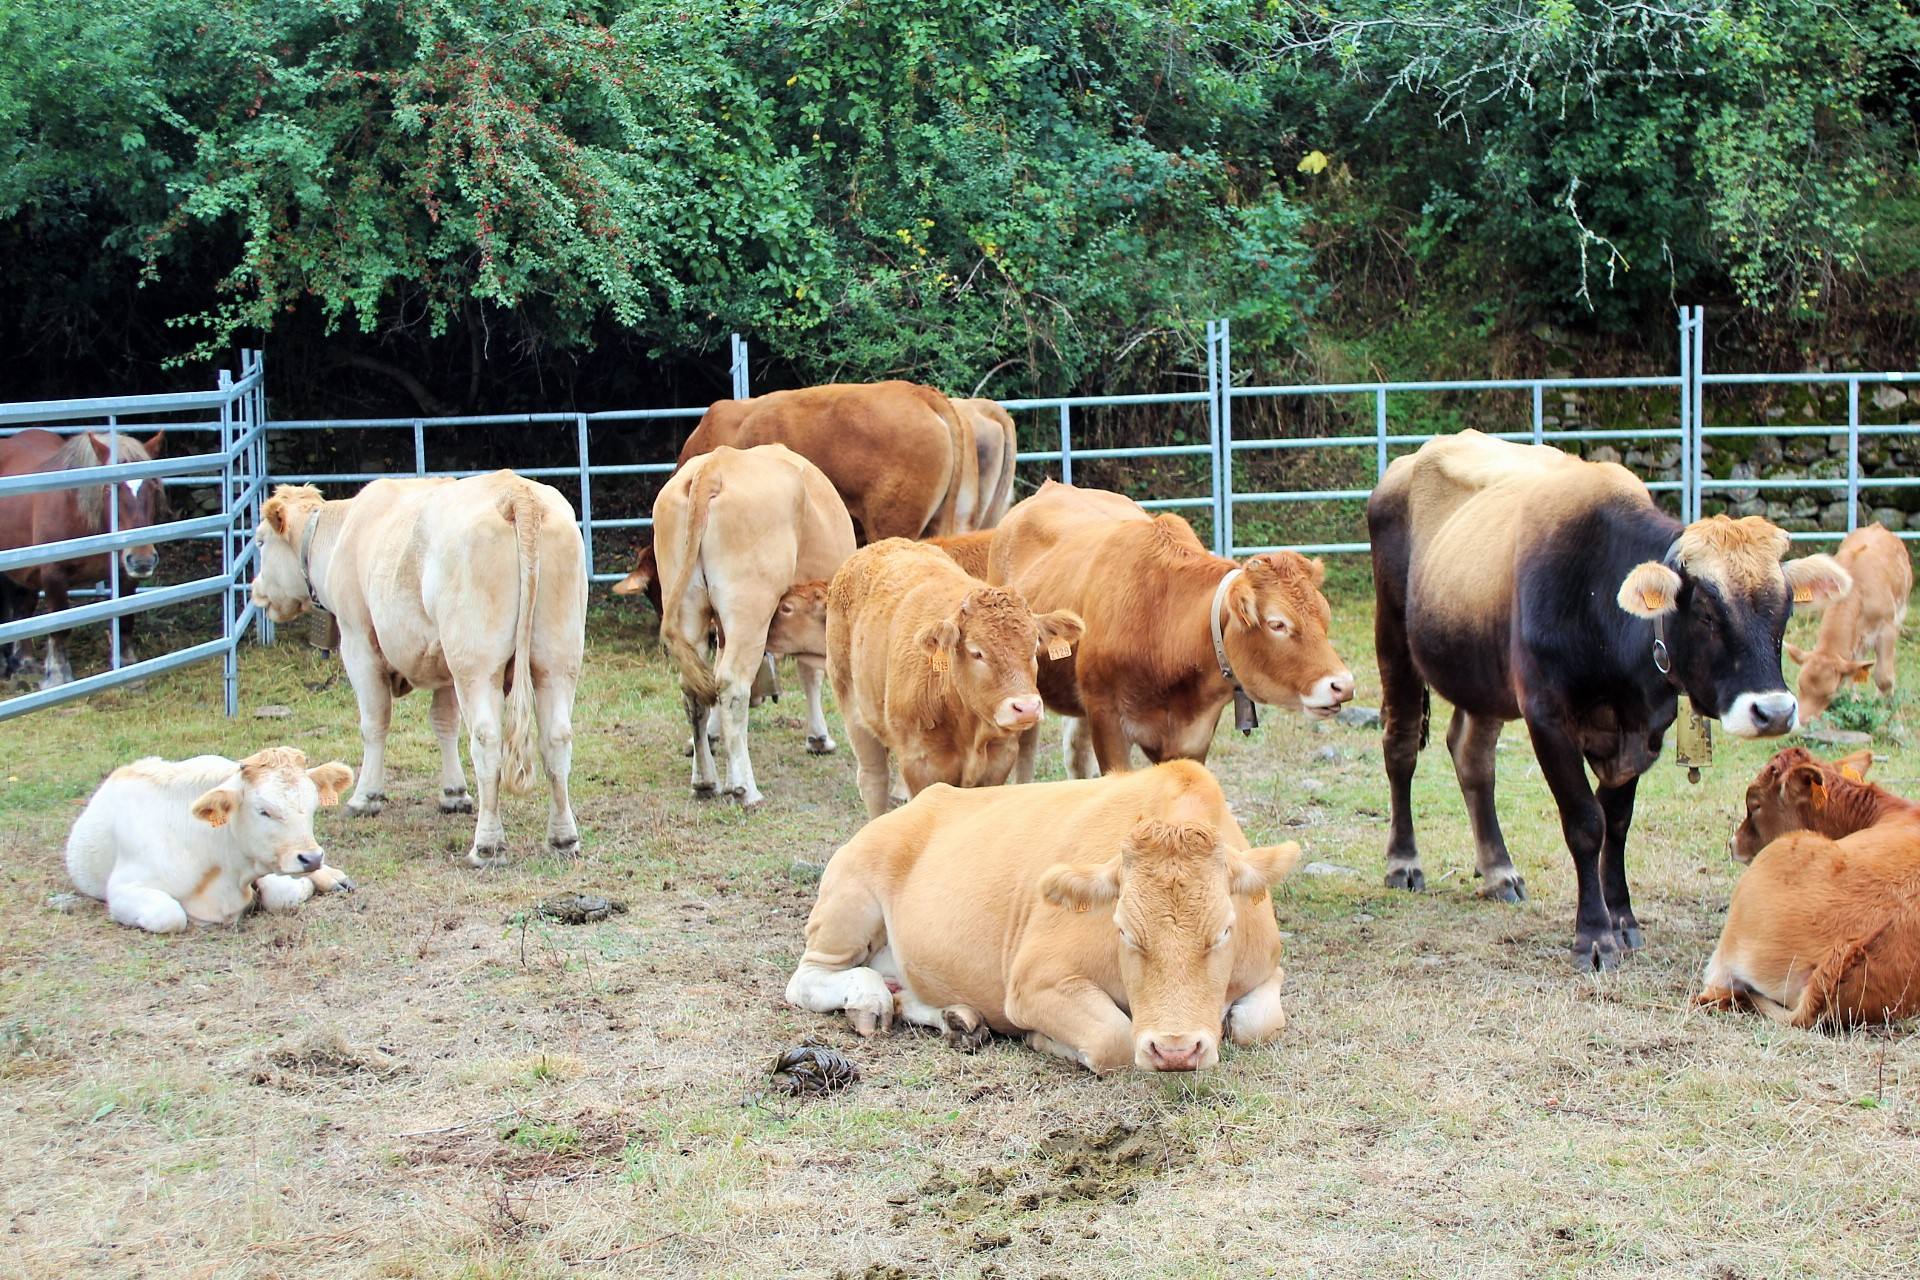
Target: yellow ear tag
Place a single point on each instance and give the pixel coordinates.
(1803, 595)
(938, 660)
(1058, 649)
(1652, 601)
(1860, 677)
(1850, 773)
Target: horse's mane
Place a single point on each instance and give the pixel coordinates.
(79, 453)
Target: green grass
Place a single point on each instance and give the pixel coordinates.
(1450, 1098)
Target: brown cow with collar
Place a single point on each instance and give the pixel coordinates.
(934, 667)
(1149, 673)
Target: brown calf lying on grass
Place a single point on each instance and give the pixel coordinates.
(1866, 621)
(1824, 927)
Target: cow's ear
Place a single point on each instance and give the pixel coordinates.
(154, 443)
(217, 806)
(1855, 766)
(631, 584)
(1258, 869)
(1059, 632)
(274, 513)
(937, 637)
(1243, 602)
(1817, 580)
(1798, 654)
(333, 778)
(1806, 785)
(1650, 591)
(1081, 888)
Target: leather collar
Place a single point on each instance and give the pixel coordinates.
(306, 557)
(1246, 717)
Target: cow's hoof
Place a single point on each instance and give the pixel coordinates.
(704, 791)
(54, 679)
(1511, 889)
(369, 805)
(1412, 879)
(487, 855)
(688, 751)
(820, 746)
(1597, 952)
(455, 801)
(966, 1030)
(565, 847)
(871, 1021)
(1630, 937)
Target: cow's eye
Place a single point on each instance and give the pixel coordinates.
(1225, 933)
(1278, 626)
(975, 654)
(266, 813)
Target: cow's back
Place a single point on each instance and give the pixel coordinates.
(1054, 534)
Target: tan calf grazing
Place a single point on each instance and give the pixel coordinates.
(1824, 926)
(933, 667)
(733, 530)
(1860, 632)
(800, 622)
(1154, 599)
(1110, 921)
(474, 588)
(898, 453)
(995, 447)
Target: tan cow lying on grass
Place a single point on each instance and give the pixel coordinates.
(474, 588)
(1824, 926)
(733, 530)
(1112, 921)
(164, 844)
(1865, 621)
(1160, 611)
(934, 667)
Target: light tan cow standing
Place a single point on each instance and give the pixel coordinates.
(995, 446)
(1111, 921)
(733, 530)
(934, 667)
(1860, 632)
(475, 588)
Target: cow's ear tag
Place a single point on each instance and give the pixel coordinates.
(1860, 676)
(937, 660)
(1850, 773)
(1058, 648)
(1803, 595)
(1653, 601)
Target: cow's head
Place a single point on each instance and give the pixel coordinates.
(1789, 795)
(800, 622)
(1725, 597)
(644, 578)
(266, 809)
(1176, 892)
(1275, 630)
(990, 650)
(279, 580)
(1822, 674)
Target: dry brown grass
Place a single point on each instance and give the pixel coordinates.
(422, 1080)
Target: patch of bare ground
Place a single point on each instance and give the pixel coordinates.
(428, 1078)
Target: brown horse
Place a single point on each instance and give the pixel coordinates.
(29, 519)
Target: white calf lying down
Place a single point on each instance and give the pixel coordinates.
(164, 843)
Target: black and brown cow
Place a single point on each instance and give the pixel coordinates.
(1521, 582)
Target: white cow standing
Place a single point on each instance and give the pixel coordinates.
(475, 588)
(164, 843)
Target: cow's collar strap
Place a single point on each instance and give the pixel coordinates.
(306, 556)
(1246, 717)
(1662, 657)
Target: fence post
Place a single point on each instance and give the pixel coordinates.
(1853, 454)
(1213, 434)
(419, 447)
(1066, 446)
(1698, 365)
(113, 557)
(1225, 536)
(263, 471)
(738, 368)
(1380, 433)
(229, 656)
(586, 493)
(1539, 414)
(1686, 415)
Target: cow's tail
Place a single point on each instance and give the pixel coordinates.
(696, 674)
(954, 515)
(996, 507)
(525, 512)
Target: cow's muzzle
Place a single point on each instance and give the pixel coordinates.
(1022, 713)
(1762, 715)
(310, 861)
(140, 562)
(1192, 1051)
(1328, 695)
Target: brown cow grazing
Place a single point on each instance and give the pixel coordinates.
(800, 622)
(1113, 921)
(1521, 582)
(1161, 611)
(969, 550)
(1866, 621)
(1824, 927)
(28, 519)
(736, 528)
(902, 459)
(934, 667)
(995, 446)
